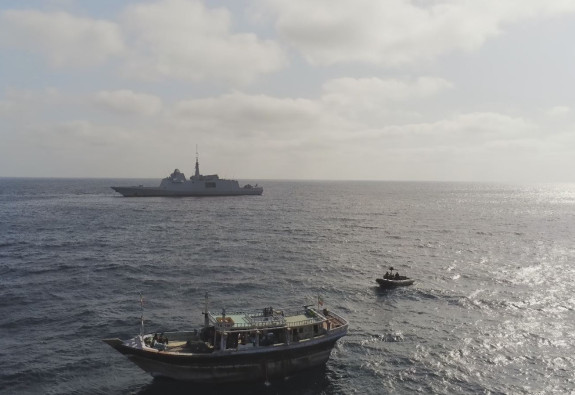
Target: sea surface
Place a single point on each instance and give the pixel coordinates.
(492, 310)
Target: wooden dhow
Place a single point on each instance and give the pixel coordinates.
(239, 346)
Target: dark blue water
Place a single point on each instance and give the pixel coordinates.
(492, 310)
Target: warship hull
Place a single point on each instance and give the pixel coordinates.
(180, 192)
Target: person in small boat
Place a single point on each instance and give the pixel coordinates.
(386, 275)
(397, 275)
(159, 342)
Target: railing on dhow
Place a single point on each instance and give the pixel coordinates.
(331, 315)
(254, 321)
(260, 320)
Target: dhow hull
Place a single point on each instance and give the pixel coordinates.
(214, 368)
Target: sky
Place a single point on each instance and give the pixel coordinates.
(406, 90)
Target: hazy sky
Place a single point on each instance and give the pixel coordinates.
(454, 90)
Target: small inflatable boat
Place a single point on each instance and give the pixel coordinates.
(402, 281)
(391, 280)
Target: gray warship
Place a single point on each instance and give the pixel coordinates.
(176, 184)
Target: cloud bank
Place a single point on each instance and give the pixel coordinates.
(362, 89)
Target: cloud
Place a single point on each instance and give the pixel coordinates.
(474, 146)
(423, 150)
(153, 41)
(7, 107)
(260, 120)
(185, 40)
(19, 102)
(384, 89)
(380, 101)
(559, 111)
(371, 94)
(485, 125)
(394, 33)
(471, 129)
(128, 102)
(296, 133)
(251, 115)
(78, 148)
(64, 39)
(75, 135)
(307, 137)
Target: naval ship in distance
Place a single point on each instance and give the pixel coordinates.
(176, 184)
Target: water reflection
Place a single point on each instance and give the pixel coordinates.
(312, 382)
